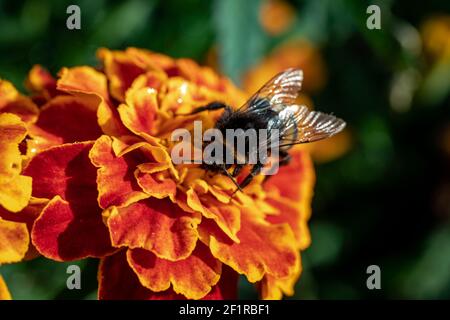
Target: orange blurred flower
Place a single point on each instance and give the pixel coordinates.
(276, 16)
(105, 185)
(436, 37)
(297, 53)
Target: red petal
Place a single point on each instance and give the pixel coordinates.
(66, 231)
(263, 248)
(70, 226)
(192, 277)
(121, 70)
(227, 217)
(139, 113)
(83, 80)
(65, 119)
(117, 281)
(227, 288)
(299, 173)
(116, 183)
(41, 82)
(156, 225)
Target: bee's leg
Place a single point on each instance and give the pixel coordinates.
(256, 169)
(237, 169)
(209, 107)
(232, 179)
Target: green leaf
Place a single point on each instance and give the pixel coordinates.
(240, 37)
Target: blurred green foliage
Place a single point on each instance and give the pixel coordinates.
(375, 205)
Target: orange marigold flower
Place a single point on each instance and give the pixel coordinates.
(276, 16)
(162, 231)
(435, 33)
(295, 53)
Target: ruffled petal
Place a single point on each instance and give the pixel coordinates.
(65, 119)
(159, 226)
(40, 82)
(27, 216)
(14, 241)
(192, 277)
(116, 183)
(291, 213)
(263, 248)
(13, 102)
(4, 292)
(83, 80)
(156, 185)
(66, 231)
(121, 70)
(64, 170)
(272, 288)
(227, 217)
(15, 189)
(70, 227)
(227, 288)
(293, 204)
(139, 113)
(117, 281)
(299, 173)
(91, 84)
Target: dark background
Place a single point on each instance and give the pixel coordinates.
(384, 199)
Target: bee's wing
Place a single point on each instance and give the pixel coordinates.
(300, 125)
(296, 124)
(283, 89)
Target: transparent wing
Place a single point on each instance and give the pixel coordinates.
(300, 125)
(281, 90)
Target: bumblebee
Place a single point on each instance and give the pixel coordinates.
(272, 108)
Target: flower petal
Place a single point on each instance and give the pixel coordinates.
(156, 225)
(117, 281)
(158, 188)
(299, 173)
(272, 288)
(139, 113)
(226, 216)
(27, 215)
(83, 80)
(291, 213)
(152, 60)
(263, 248)
(13, 102)
(66, 171)
(92, 85)
(116, 183)
(4, 292)
(66, 231)
(14, 241)
(293, 204)
(70, 226)
(192, 277)
(15, 189)
(65, 119)
(41, 82)
(121, 70)
(227, 288)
